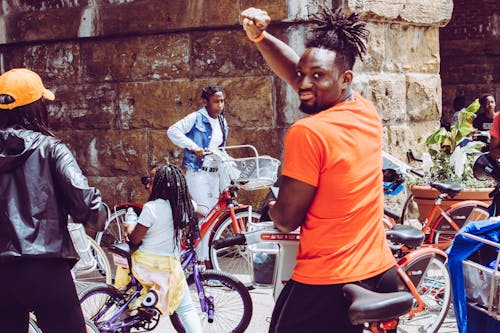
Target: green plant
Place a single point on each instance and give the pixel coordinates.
(452, 152)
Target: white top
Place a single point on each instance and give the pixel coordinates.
(159, 239)
(177, 132)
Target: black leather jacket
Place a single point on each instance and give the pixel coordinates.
(40, 184)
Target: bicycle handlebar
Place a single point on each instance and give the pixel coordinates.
(238, 239)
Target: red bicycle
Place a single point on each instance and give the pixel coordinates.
(226, 218)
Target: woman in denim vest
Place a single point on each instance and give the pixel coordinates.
(205, 128)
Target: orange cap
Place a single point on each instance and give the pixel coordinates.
(24, 86)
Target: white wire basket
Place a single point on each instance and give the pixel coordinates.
(248, 172)
(82, 246)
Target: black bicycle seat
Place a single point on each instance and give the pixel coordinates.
(369, 306)
(404, 234)
(122, 249)
(451, 189)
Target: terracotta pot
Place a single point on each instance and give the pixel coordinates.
(425, 196)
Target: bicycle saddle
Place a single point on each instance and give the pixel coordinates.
(369, 306)
(451, 189)
(122, 249)
(404, 234)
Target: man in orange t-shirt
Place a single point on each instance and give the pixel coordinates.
(332, 176)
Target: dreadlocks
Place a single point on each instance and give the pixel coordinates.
(337, 32)
(169, 184)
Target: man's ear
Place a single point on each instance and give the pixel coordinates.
(346, 80)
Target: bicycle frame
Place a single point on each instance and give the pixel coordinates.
(226, 205)
(113, 324)
(188, 257)
(437, 210)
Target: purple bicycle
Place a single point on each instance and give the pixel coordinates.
(224, 303)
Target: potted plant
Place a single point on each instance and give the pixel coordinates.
(451, 155)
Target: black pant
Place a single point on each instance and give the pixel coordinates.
(44, 286)
(304, 308)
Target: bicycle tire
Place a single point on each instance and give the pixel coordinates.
(100, 274)
(113, 233)
(461, 213)
(90, 327)
(434, 287)
(99, 303)
(231, 299)
(235, 260)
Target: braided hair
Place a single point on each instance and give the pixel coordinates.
(169, 184)
(345, 35)
(210, 90)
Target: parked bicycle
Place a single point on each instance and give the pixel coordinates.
(441, 225)
(421, 270)
(223, 302)
(227, 218)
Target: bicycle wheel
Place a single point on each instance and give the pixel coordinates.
(100, 303)
(91, 328)
(461, 213)
(113, 233)
(235, 260)
(101, 273)
(229, 298)
(432, 281)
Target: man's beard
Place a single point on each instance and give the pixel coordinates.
(309, 109)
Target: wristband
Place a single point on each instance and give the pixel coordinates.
(259, 38)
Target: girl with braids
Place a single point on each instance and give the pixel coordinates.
(331, 182)
(168, 212)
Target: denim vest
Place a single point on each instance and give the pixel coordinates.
(201, 133)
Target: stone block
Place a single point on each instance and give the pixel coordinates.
(158, 104)
(87, 106)
(398, 138)
(137, 58)
(41, 25)
(110, 153)
(411, 49)
(375, 52)
(386, 92)
(226, 54)
(163, 150)
(277, 9)
(196, 14)
(56, 63)
(424, 12)
(267, 141)
(116, 190)
(423, 97)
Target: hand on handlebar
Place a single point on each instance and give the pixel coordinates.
(200, 152)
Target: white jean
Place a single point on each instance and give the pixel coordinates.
(188, 314)
(204, 189)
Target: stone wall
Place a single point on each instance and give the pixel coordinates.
(124, 70)
(470, 53)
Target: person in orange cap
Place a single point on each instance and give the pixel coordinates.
(40, 184)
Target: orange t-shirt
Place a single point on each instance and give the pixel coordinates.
(339, 151)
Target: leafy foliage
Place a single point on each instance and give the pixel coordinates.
(453, 152)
